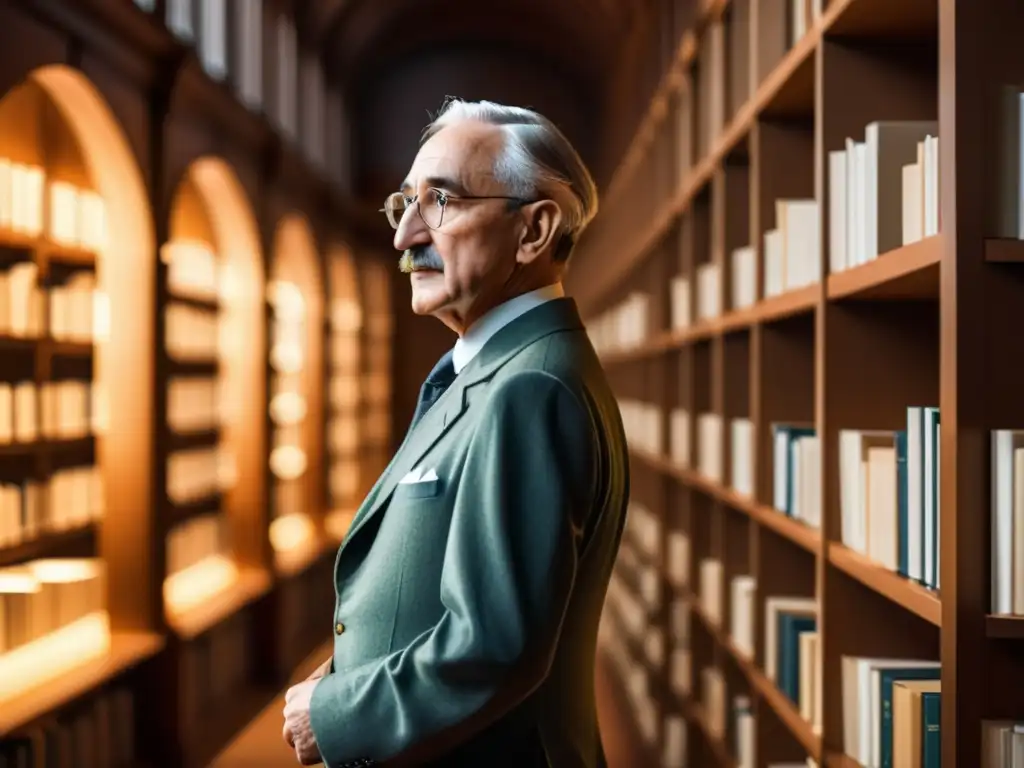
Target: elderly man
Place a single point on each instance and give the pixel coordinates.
(470, 586)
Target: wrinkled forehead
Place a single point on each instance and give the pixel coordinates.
(459, 159)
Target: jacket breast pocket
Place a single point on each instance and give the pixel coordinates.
(426, 489)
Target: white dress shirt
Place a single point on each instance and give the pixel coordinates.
(473, 340)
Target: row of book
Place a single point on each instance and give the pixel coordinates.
(796, 472)
(41, 596)
(193, 270)
(195, 540)
(191, 334)
(68, 308)
(792, 653)
(891, 711)
(791, 252)
(68, 499)
(1006, 513)
(744, 730)
(194, 403)
(77, 217)
(98, 732)
(77, 309)
(622, 326)
(65, 409)
(199, 473)
(642, 423)
(889, 495)
(883, 191)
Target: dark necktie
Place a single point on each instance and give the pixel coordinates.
(438, 380)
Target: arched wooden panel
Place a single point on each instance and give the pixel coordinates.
(78, 280)
(296, 296)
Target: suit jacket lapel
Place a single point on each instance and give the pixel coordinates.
(431, 428)
(553, 316)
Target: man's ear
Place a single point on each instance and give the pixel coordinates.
(541, 231)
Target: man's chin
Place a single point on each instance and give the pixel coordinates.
(428, 299)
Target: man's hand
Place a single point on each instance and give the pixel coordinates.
(298, 732)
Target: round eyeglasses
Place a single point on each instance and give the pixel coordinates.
(431, 205)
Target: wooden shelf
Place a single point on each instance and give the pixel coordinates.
(251, 585)
(1004, 627)
(1004, 251)
(790, 529)
(839, 760)
(79, 542)
(889, 585)
(760, 683)
(910, 272)
(127, 650)
(298, 560)
(915, 327)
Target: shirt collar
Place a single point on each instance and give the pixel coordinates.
(473, 340)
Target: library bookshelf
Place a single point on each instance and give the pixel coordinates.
(149, 607)
(344, 393)
(67, 504)
(811, 250)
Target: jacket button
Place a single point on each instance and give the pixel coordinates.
(339, 628)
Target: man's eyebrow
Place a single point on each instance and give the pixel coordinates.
(445, 183)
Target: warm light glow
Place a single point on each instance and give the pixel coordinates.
(289, 533)
(287, 408)
(338, 522)
(64, 213)
(286, 299)
(18, 581)
(192, 268)
(196, 584)
(286, 357)
(346, 315)
(287, 462)
(66, 570)
(21, 197)
(54, 655)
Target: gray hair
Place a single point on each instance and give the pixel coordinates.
(537, 160)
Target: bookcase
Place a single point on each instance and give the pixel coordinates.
(64, 632)
(149, 605)
(344, 392)
(378, 327)
(296, 297)
(809, 252)
(210, 457)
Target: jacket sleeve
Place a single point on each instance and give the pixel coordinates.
(510, 562)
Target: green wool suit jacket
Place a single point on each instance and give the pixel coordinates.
(468, 603)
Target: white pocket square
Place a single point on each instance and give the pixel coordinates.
(419, 476)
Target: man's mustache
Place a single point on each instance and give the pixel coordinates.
(421, 257)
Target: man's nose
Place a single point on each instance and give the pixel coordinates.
(411, 229)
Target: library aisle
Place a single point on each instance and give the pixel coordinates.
(804, 283)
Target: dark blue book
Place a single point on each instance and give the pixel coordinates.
(902, 510)
(887, 677)
(931, 732)
(789, 628)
